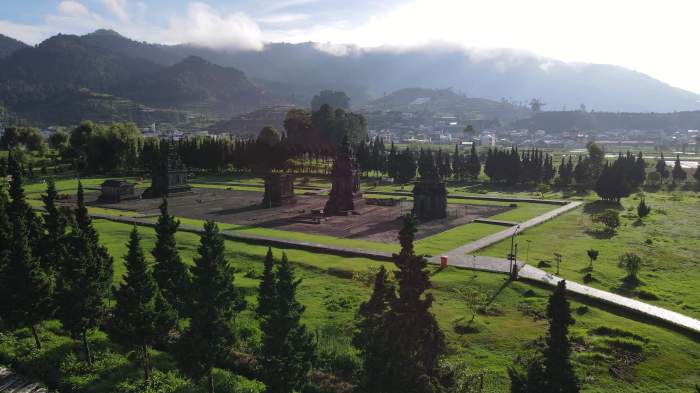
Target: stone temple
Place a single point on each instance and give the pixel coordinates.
(346, 183)
(429, 193)
(279, 190)
(169, 176)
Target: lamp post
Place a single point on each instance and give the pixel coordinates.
(557, 256)
(527, 251)
(512, 257)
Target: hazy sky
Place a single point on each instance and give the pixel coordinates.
(659, 38)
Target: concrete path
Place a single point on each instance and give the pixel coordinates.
(461, 252)
(15, 383)
(532, 273)
(477, 197)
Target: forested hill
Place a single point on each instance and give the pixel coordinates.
(9, 45)
(558, 121)
(418, 100)
(31, 77)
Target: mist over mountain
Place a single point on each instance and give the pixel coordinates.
(224, 83)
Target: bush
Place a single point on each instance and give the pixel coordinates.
(643, 209)
(159, 382)
(632, 263)
(610, 218)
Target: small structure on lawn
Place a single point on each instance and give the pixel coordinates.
(169, 176)
(346, 182)
(429, 193)
(279, 190)
(115, 191)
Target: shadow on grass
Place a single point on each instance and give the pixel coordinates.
(601, 205)
(600, 234)
(628, 286)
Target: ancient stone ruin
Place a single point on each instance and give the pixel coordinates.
(346, 183)
(279, 190)
(169, 175)
(115, 191)
(429, 193)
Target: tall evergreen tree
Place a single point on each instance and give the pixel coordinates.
(369, 336)
(55, 224)
(413, 340)
(287, 348)
(678, 173)
(561, 377)
(661, 168)
(86, 278)
(266, 289)
(696, 175)
(19, 206)
(169, 271)
(25, 287)
(141, 315)
(5, 229)
(213, 297)
(474, 167)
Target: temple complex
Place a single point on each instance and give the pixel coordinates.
(346, 183)
(169, 175)
(429, 193)
(279, 190)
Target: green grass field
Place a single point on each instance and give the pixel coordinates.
(667, 240)
(666, 360)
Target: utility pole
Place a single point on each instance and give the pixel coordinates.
(557, 257)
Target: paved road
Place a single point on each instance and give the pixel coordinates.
(15, 383)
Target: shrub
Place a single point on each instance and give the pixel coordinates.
(632, 263)
(610, 218)
(643, 209)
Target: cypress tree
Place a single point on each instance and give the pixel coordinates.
(169, 271)
(561, 377)
(287, 348)
(5, 230)
(678, 173)
(369, 337)
(661, 168)
(210, 335)
(414, 341)
(26, 287)
(19, 206)
(141, 315)
(86, 278)
(266, 290)
(55, 224)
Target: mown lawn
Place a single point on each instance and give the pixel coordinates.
(667, 240)
(333, 287)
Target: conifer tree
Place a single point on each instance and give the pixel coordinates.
(19, 206)
(678, 173)
(661, 168)
(696, 175)
(474, 167)
(266, 289)
(86, 278)
(287, 348)
(414, 341)
(5, 229)
(213, 296)
(55, 224)
(169, 271)
(561, 377)
(26, 289)
(369, 336)
(141, 315)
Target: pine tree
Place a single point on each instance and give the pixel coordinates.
(287, 347)
(169, 271)
(661, 168)
(5, 230)
(19, 206)
(678, 173)
(140, 317)
(86, 278)
(561, 377)
(414, 341)
(266, 289)
(369, 336)
(25, 287)
(55, 224)
(213, 296)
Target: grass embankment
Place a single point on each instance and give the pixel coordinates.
(667, 240)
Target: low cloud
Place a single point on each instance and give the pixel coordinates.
(118, 8)
(204, 26)
(73, 9)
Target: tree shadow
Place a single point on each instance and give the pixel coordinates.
(638, 223)
(600, 234)
(601, 205)
(628, 286)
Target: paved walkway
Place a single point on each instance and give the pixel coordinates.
(477, 197)
(15, 383)
(532, 273)
(461, 252)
